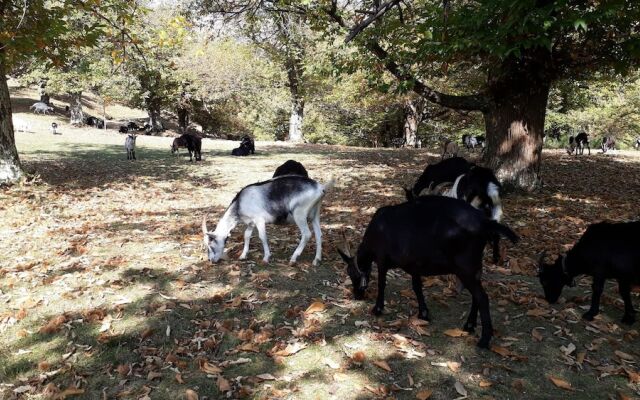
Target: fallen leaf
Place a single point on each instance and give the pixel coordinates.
(147, 333)
(209, 368)
(624, 356)
(460, 389)
(424, 394)
(291, 348)
(536, 335)
(154, 375)
(485, 384)
(223, 384)
(191, 395)
(266, 377)
(456, 332)
(315, 307)
(43, 365)
(568, 349)
(383, 364)
(561, 383)
(71, 391)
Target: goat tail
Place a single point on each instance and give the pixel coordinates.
(329, 185)
(497, 229)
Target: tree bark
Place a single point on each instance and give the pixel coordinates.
(294, 75)
(10, 168)
(514, 124)
(154, 118)
(295, 120)
(412, 116)
(183, 119)
(75, 109)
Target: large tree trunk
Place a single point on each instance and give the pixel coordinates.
(10, 169)
(514, 124)
(295, 120)
(154, 119)
(294, 74)
(412, 116)
(75, 109)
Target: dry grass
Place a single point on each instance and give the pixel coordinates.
(104, 287)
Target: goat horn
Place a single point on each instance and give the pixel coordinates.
(204, 224)
(441, 186)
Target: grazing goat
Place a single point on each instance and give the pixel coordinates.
(608, 143)
(450, 149)
(470, 142)
(291, 167)
(578, 143)
(430, 236)
(192, 143)
(41, 107)
(435, 174)
(285, 199)
(605, 251)
(130, 147)
(54, 128)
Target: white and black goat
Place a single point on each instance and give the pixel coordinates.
(605, 251)
(578, 143)
(286, 199)
(130, 147)
(608, 143)
(432, 235)
(291, 167)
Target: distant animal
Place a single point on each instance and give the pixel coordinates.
(54, 128)
(193, 144)
(291, 167)
(398, 142)
(20, 124)
(637, 143)
(470, 142)
(133, 126)
(431, 236)
(246, 147)
(41, 108)
(130, 147)
(123, 129)
(96, 122)
(450, 149)
(146, 128)
(481, 141)
(608, 143)
(285, 199)
(578, 143)
(553, 133)
(605, 251)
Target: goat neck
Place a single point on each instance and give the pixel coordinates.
(228, 221)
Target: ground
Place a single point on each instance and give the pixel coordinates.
(105, 291)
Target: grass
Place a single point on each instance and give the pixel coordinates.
(96, 238)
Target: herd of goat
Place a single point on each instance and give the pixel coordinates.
(450, 214)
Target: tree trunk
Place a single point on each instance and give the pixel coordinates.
(75, 109)
(10, 169)
(183, 119)
(412, 112)
(295, 120)
(42, 91)
(154, 119)
(514, 124)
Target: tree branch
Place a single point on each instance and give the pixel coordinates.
(476, 102)
(381, 10)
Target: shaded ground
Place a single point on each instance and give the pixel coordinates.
(104, 290)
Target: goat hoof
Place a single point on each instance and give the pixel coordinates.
(588, 316)
(315, 263)
(376, 310)
(628, 319)
(483, 343)
(469, 328)
(424, 315)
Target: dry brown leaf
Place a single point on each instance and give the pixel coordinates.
(179, 378)
(624, 356)
(536, 335)
(382, 364)
(456, 332)
(485, 384)
(71, 391)
(538, 312)
(191, 395)
(454, 365)
(561, 383)
(44, 366)
(291, 348)
(223, 384)
(316, 306)
(147, 333)
(266, 377)
(209, 368)
(154, 375)
(424, 394)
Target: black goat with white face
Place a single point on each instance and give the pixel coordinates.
(291, 167)
(432, 235)
(605, 251)
(285, 199)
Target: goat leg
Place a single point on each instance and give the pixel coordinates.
(382, 283)
(317, 232)
(262, 233)
(481, 301)
(300, 217)
(598, 287)
(625, 292)
(247, 238)
(423, 311)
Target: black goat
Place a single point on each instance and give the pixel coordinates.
(240, 151)
(578, 143)
(132, 126)
(246, 147)
(435, 174)
(605, 251)
(481, 141)
(192, 143)
(291, 167)
(433, 235)
(123, 129)
(608, 143)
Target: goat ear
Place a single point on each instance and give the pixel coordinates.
(345, 257)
